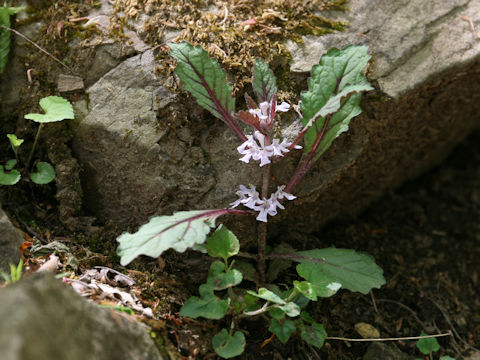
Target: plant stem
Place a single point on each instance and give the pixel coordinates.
(33, 147)
(262, 227)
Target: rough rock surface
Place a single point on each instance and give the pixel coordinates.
(378, 350)
(10, 240)
(43, 319)
(426, 71)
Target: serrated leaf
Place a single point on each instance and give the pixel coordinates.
(282, 328)
(335, 81)
(56, 109)
(223, 243)
(427, 345)
(313, 334)
(264, 82)
(14, 141)
(179, 231)
(10, 164)
(45, 173)
(354, 271)
(9, 178)
(204, 79)
(208, 307)
(228, 346)
(268, 295)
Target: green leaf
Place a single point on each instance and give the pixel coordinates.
(223, 243)
(14, 141)
(208, 306)
(446, 357)
(282, 328)
(204, 79)
(220, 280)
(268, 295)
(354, 271)
(4, 37)
(56, 109)
(427, 345)
(264, 82)
(179, 231)
(313, 334)
(306, 288)
(45, 173)
(228, 346)
(9, 178)
(276, 313)
(10, 164)
(290, 309)
(333, 88)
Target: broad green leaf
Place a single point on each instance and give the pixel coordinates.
(208, 307)
(264, 82)
(56, 109)
(282, 328)
(45, 173)
(354, 271)
(223, 280)
(306, 288)
(228, 346)
(204, 79)
(268, 295)
(335, 81)
(14, 141)
(313, 334)
(290, 309)
(427, 345)
(9, 178)
(10, 164)
(276, 313)
(223, 243)
(179, 231)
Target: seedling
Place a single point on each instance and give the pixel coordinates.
(56, 109)
(331, 101)
(428, 346)
(15, 273)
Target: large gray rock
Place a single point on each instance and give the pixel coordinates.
(43, 319)
(10, 240)
(427, 73)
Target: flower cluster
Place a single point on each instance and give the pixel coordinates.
(250, 198)
(259, 151)
(266, 112)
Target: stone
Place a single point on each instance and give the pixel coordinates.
(10, 242)
(140, 159)
(68, 83)
(43, 319)
(379, 350)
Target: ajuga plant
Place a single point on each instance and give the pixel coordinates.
(331, 101)
(56, 109)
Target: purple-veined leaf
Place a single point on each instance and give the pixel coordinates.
(333, 96)
(180, 231)
(206, 81)
(263, 81)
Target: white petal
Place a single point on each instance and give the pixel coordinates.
(284, 107)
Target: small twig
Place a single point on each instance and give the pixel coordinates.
(27, 166)
(373, 301)
(472, 27)
(38, 47)
(389, 339)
